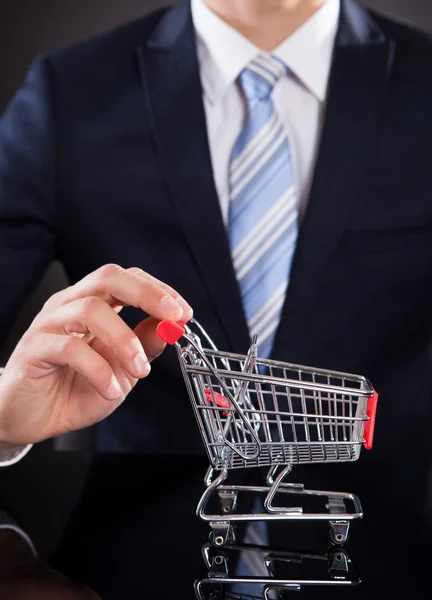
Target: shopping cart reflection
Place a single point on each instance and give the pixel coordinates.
(286, 571)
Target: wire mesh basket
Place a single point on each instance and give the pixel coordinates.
(256, 412)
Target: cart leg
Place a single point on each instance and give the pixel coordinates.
(208, 477)
(278, 483)
(211, 487)
(270, 477)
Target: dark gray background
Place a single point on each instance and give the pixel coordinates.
(28, 27)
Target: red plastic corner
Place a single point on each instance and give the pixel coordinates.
(370, 424)
(170, 332)
(220, 400)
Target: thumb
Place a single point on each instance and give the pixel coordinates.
(152, 344)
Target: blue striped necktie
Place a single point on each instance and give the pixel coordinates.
(263, 218)
(263, 229)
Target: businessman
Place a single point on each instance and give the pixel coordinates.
(271, 162)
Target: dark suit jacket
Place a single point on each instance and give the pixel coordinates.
(104, 158)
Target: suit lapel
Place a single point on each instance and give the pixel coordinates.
(358, 81)
(171, 82)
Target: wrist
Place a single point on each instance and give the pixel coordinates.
(8, 447)
(10, 452)
(5, 445)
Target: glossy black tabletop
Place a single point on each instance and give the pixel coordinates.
(366, 566)
(135, 534)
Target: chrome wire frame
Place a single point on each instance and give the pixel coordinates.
(253, 412)
(340, 571)
(337, 514)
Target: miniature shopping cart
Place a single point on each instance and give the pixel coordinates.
(254, 412)
(302, 569)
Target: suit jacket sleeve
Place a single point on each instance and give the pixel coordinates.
(27, 191)
(27, 207)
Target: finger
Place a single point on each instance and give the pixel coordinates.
(93, 315)
(115, 285)
(187, 309)
(152, 344)
(46, 351)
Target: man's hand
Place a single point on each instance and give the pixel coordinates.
(24, 577)
(78, 360)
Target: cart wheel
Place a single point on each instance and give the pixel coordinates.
(339, 532)
(219, 537)
(338, 562)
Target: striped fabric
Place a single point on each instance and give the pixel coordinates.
(263, 223)
(263, 227)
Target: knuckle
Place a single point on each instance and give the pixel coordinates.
(28, 338)
(146, 286)
(108, 270)
(25, 348)
(136, 271)
(38, 322)
(149, 291)
(52, 301)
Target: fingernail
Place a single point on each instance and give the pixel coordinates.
(170, 307)
(141, 364)
(185, 305)
(114, 389)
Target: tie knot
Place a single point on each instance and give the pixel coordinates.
(261, 75)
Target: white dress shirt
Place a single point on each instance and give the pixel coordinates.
(299, 97)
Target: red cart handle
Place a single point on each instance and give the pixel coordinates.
(370, 424)
(170, 331)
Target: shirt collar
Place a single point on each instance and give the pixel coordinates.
(223, 52)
